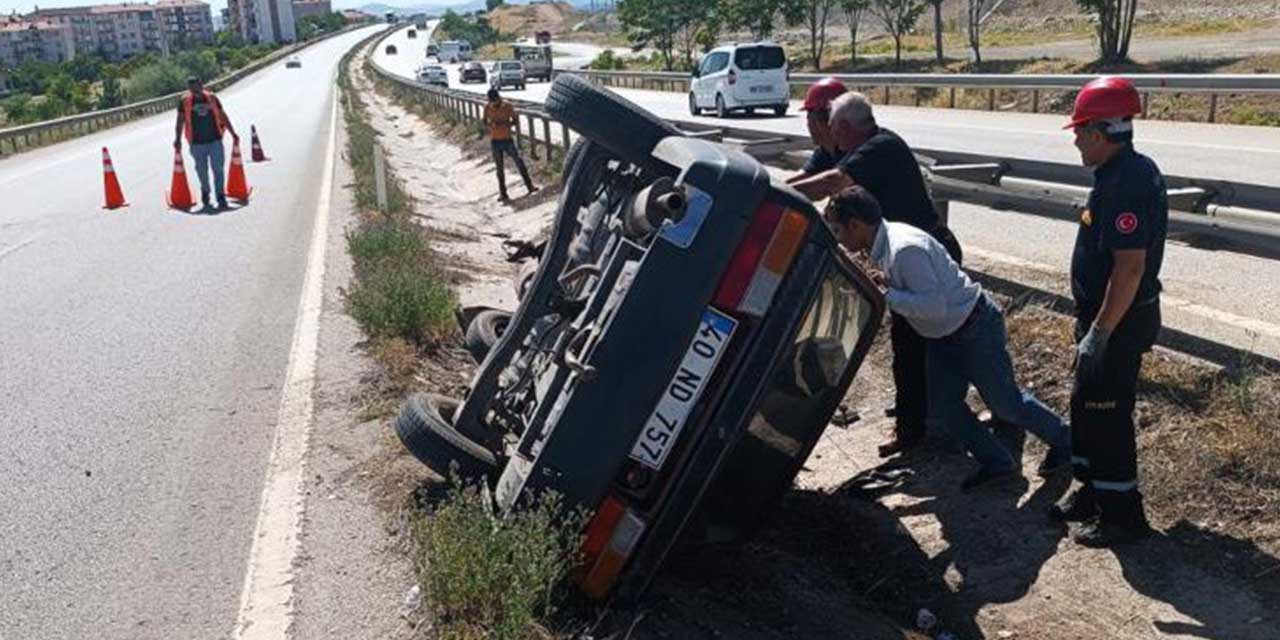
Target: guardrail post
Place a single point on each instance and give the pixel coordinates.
(991, 99)
(952, 100)
(886, 94)
(1146, 101)
(546, 135)
(1035, 101)
(1213, 108)
(564, 132)
(380, 177)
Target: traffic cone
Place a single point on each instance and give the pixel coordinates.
(115, 197)
(179, 194)
(256, 152)
(237, 187)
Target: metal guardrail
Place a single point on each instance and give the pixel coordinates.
(993, 85)
(28, 136)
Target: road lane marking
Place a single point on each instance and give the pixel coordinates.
(266, 599)
(1217, 316)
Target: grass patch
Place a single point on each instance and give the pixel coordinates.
(485, 576)
(399, 294)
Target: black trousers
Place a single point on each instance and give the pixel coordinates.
(909, 350)
(1103, 439)
(508, 147)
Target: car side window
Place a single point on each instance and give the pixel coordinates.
(719, 61)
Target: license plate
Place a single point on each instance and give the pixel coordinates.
(682, 393)
(762, 89)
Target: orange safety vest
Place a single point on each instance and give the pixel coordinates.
(189, 100)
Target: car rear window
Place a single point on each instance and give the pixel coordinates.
(511, 66)
(758, 58)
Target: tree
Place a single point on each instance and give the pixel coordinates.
(651, 23)
(697, 26)
(898, 17)
(853, 10)
(490, 5)
(17, 108)
(1115, 26)
(976, 9)
(814, 15)
(937, 28)
(112, 93)
(756, 16)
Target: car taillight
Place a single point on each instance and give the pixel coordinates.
(611, 537)
(762, 259)
(733, 77)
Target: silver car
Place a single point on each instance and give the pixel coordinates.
(507, 73)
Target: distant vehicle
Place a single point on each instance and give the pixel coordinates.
(434, 75)
(391, 50)
(454, 51)
(421, 25)
(473, 72)
(741, 77)
(508, 73)
(536, 59)
(293, 62)
(432, 50)
(392, 18)
(542, 37)
(412, 34)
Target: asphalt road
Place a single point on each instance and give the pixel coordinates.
(142, 355)
(1225, 297)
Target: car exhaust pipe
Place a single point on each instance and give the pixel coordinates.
(653, 205)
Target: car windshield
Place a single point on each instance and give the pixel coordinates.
(511, 66)
(759, 58)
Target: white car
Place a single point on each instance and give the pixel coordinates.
(433, 74)
(507, 73)
(741, 77)
(293, 62)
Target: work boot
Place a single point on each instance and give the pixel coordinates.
(901, 441)
(222, 204)
(204, 197)
(1100, 533)
(1080, 506)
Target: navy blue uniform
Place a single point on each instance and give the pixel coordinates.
(1127, 209)
(885, 166)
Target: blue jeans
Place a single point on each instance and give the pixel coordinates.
(978, 354)
(209, 157)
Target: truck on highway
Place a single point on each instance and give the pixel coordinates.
(690, 330)
(454, 51)
(536, 59)
(542, 37)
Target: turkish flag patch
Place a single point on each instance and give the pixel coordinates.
(1127, 223)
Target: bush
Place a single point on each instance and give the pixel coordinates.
(606, 61)
(18, 108)
(488, 577)
(403, 298)
(201, 64)
(156, 79)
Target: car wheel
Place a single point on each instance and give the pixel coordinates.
(570, 156)
(608, 119)
(524, 278)
(484, 331)
(721, 110)
(751, 111)
(780, 110)
(425, 427)
(693, 105)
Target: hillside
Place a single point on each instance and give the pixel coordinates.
(1041, 9)
(525, 19)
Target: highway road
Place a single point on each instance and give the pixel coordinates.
(143, 354)
(1222, 296)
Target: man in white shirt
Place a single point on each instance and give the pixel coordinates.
(967, 342)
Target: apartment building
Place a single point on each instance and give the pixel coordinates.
(118, 31)
(265, 21)
(43, 41)
(310, 8)
(187, 22)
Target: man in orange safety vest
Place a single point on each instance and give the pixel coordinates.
(202, 120)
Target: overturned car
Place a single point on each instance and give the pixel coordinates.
(689, 331)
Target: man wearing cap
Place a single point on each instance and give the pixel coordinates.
(201, 119)
(817, 108)
(500, 116)
(1115, 269)
(880, 161)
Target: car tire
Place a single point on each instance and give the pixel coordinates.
(751, 111)
(693, 106)
(608, 119)
(425, 427)
(570, 156)
(484, 331)
(780, 110)
(721, 110)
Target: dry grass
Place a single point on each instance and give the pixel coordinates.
(1209, 443)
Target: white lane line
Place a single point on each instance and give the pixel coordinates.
(1218, 316)
(266, 599)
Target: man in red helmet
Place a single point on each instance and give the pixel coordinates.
(879, 160)
(1115, 271)
(817, 108)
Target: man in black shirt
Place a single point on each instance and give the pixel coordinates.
(880, 161)
(1115, 280)
(202, 120)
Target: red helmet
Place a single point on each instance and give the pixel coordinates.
(1105, 98)
(821, 93)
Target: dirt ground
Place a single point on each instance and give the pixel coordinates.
(860, 546)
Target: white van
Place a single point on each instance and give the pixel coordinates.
(741, 77)
(454, 51)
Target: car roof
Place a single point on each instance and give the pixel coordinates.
(743, 45)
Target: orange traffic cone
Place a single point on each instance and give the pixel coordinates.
(256, 152)
(115, 197)
(237, 187)
(179, 194)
